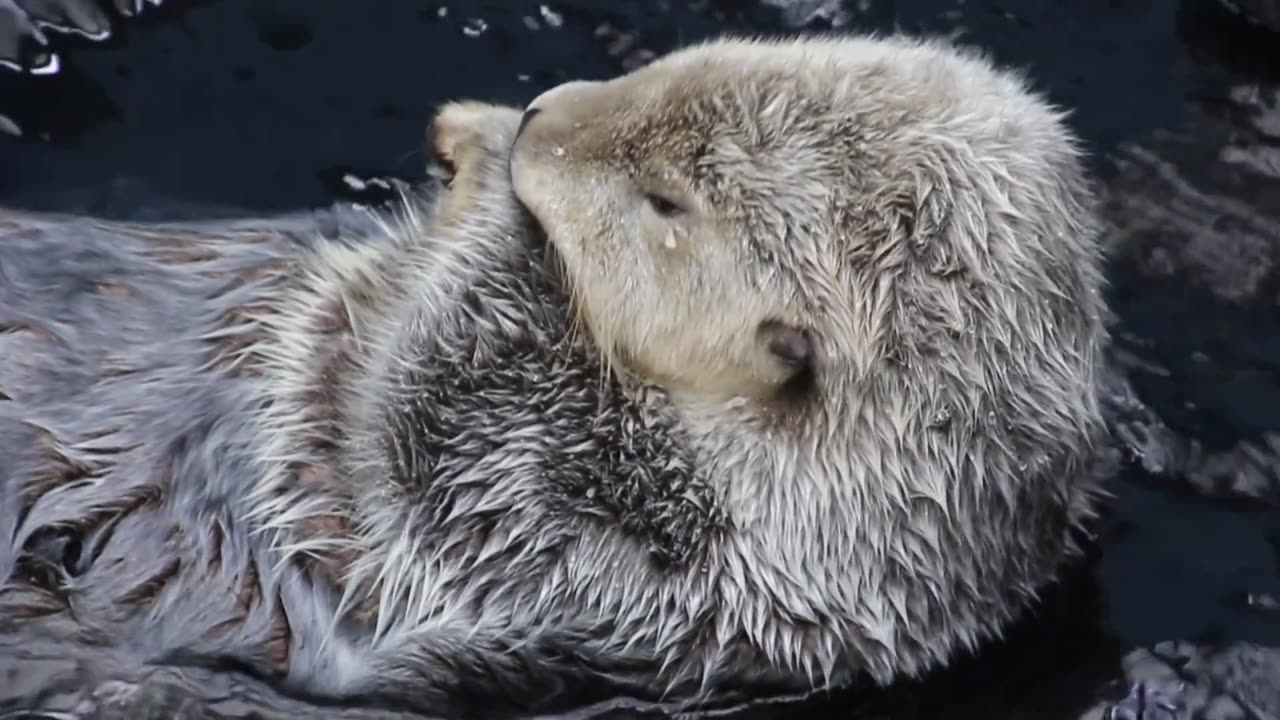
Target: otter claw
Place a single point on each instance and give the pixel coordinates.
(1150, 701)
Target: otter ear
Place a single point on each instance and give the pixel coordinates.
(790, 345)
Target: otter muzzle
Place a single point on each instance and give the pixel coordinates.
(561, 94)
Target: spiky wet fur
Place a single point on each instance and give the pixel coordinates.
(926, 219)
(381, 464)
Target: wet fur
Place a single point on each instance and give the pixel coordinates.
(925, 218)
(382, 465)
(215, 441)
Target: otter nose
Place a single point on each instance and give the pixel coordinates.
(562, 102)
(524, 119)
(565, 94)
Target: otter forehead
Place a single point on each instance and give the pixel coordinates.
(743, 120)
(924, 74)
(668, 118)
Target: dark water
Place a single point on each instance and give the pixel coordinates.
(260, 106)
(257, 103)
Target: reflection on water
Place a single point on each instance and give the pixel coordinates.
(267, 106)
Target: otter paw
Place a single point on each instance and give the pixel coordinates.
(1152, 701)
(463, 131)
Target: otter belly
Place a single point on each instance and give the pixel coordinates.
(126, 451)
(149, 520)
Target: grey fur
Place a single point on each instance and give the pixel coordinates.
(385, 464)
(926, 219)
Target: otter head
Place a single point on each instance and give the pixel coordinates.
(741, 215)
(674, 212)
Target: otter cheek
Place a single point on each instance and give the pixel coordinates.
(542, 171)
(546, 193)
(531, 179)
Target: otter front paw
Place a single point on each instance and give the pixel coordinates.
(464, 132)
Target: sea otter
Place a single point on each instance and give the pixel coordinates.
(867, 273)
(768, 365)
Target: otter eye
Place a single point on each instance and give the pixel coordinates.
(662, 206)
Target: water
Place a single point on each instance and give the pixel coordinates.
(265, 106)
(259, 105)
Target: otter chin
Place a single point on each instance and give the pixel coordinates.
(768, 365)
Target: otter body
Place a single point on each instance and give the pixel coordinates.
(501, 446)
(247, 445)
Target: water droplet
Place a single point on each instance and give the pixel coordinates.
(557, 151)
(474, 27)
(552, 18)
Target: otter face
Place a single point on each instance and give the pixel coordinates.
(635, 183)
(741, 213)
